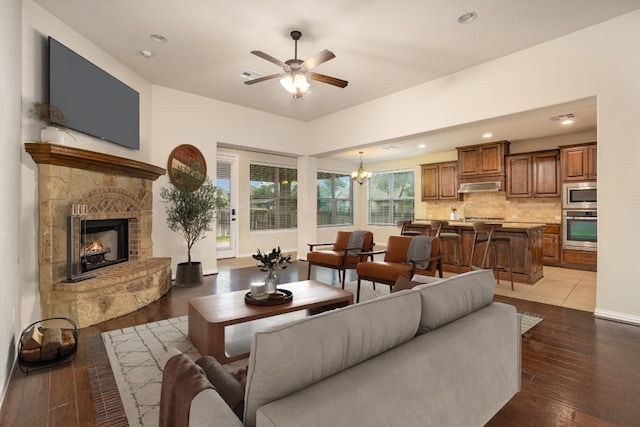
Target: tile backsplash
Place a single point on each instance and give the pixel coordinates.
(496, 205)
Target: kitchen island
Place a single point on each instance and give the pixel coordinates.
(526, 247)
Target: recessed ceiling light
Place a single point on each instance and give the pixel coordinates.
(566, 122)
(147, 53)
(467, 18)
(562, 117)
(158, 38)
(422, 146)
(487, 135)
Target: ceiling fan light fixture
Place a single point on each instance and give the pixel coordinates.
(295, 83)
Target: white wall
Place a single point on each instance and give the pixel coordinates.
(9, 192)
(598, 61)
(182, 118)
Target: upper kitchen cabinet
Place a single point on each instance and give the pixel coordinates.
(579, 162)
(533, 175)
(440, 181)
(483, 162)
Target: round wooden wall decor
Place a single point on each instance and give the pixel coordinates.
(186, 155)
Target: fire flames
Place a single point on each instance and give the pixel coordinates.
(94, 248)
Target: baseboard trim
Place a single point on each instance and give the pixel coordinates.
(616, 316)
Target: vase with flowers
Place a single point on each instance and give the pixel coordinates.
(54, 120)
(268, 263)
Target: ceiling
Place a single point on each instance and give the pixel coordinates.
(381, 47)
(528, 125)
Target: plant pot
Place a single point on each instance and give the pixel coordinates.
(52, 134)
(189, 275)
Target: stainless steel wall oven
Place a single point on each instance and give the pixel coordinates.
(580, 229)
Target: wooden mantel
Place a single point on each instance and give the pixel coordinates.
(60, 155)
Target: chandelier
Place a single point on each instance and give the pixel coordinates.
(361, 175)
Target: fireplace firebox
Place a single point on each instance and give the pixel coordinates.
(94, 243)
(103, 243)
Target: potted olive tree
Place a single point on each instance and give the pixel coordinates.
(192, 202)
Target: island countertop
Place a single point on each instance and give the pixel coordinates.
(469, 223)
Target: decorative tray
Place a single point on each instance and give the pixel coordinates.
(280, 297)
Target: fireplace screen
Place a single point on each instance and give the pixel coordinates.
(95, 244)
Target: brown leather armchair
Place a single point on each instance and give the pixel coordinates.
(340, 256)
(396, 262)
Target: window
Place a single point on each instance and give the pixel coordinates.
(273, 197)
(391, 197)
(335, 199)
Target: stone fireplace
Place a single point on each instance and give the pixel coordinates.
(113, 190)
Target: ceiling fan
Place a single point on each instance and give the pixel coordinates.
(295, 71)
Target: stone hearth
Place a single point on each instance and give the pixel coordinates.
(112, 188)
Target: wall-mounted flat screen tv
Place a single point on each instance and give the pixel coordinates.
(92, 101)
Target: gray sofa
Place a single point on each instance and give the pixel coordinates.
(439, 354)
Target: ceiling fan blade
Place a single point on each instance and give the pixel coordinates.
(269, 58)
(327, 79)
(318, 59)
(262, 79)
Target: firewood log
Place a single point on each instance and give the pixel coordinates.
(51, 343)
(32, 339)
(68, 342)
(32, 355)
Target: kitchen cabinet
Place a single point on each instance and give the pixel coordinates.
(533, 175)
(440, 181)
(579, 162)
(581, 260)
(483, 162)
(551, 244)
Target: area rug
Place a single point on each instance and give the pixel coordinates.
(137, 355)
(529, 320)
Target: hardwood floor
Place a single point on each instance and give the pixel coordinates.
(576, 370)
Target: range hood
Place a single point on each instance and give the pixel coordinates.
(480, 187)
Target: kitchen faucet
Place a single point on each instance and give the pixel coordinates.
(464, 210)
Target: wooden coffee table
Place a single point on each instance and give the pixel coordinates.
(210, 315)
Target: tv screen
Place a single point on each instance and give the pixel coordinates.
(92, 101)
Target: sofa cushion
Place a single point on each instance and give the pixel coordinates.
(182, 380)
(225, 384)
(458, 375)
(333, 258)
(397, 249)
(454, 297)
(385, 272)
(287, 358)
(342, 240)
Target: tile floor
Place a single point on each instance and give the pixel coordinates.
(562, 287)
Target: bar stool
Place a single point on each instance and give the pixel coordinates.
(485, 233)
(436, 231)
(405, 229)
